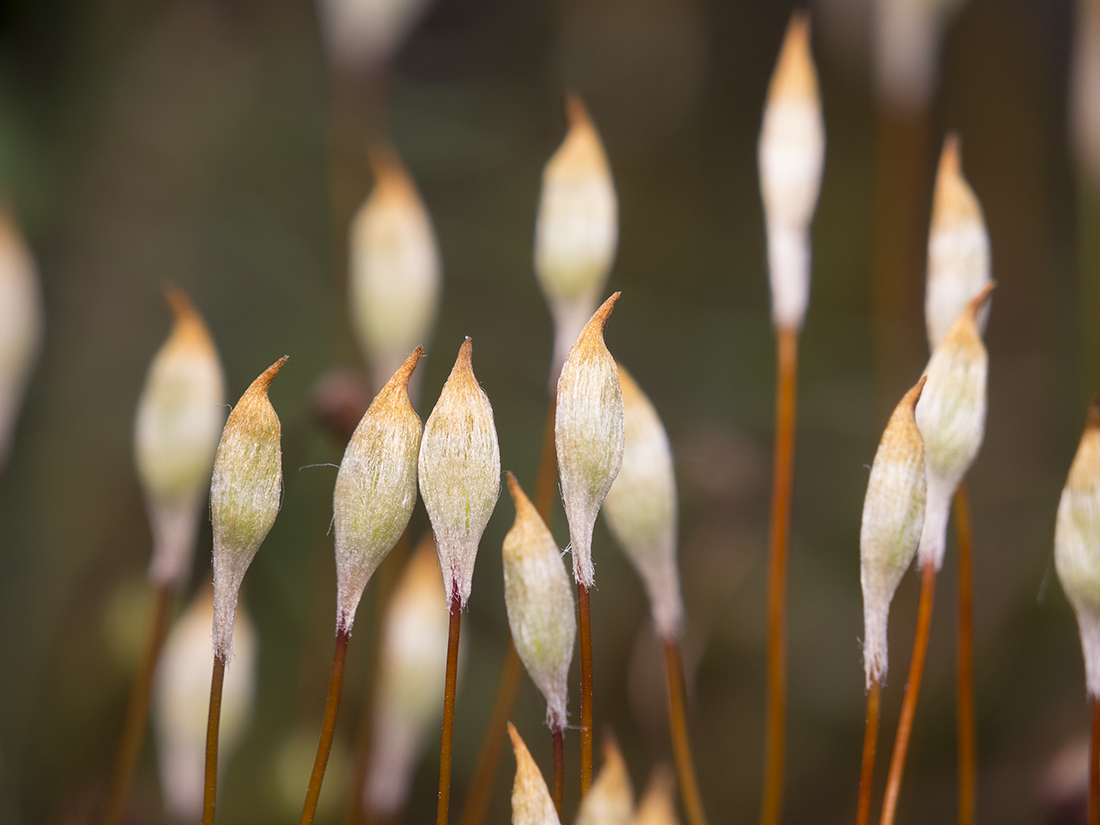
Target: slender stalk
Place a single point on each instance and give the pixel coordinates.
(387, 579)
(449, 711)
(678, 731)
(328, 728)
(1094, 764)
(133, 729)
(867, 771)
(585, 612)
(912, 692)
(559, 768)
(477, 802)
(546, 482)
(968, 749)
(902, 194)
(210, 788)
(783, 470)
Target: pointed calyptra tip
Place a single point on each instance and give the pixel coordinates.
(176, 428)
(658, 803)
(950, 164)
(980, 301)
(531, 801)
(245, 491)
(1093, 422)
(576, 113)
(541, 609)
(795, 76)
(611, 797)
(459, 468)
(395, 268)
(375, 489)
(1077, 544)
(391, 178)
(179, 303)
(400, 380)
(589, 431)
(893, 516)
(953, 201)
(524, 507)
(188, 328)
(265, 378)
(641, 507)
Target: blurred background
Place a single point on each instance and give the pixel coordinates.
(219, 146)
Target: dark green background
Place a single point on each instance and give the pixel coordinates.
(144, 143)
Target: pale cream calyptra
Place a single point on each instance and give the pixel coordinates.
(21, 323)
(460, 473)
(181, 700)
(412, 662)
(641, 507)
(531, 801)
(906, 54)
(951, 418)
(363, 34)
(1077, 544)
(589, 429)
(791, 156)
(610, 800)
(540, 603)
(658, 803)
(576, 229)
(395, 269)
(958, 249)
(375, 489)
(244, 497)
(176, 429)
(893, 514)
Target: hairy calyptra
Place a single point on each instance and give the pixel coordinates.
(893, 515)
(589, 430)
(375, 489)
(460, 472)
(176, 428)
(245, 493)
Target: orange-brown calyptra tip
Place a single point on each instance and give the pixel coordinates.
(913, 396)
(576, 113)
(979, 301)
(189, 330)
(611, 797)
(795, 75)
(593, 331)
(658, 803)
(954, 202)
(1093, 422)
(582, 149)
(265, 378)
(391, 178)
(399, 383)
(531, 802)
